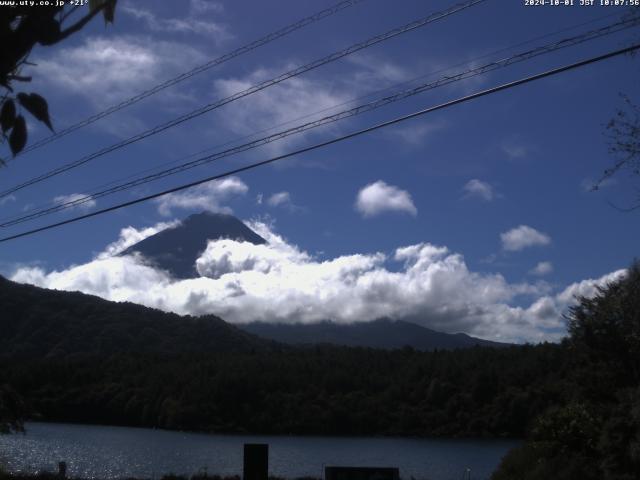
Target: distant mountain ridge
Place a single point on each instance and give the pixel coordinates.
(384, 333)
(176, 249)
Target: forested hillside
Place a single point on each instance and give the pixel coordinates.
(324, 390)
(78, 358)
(36, 322)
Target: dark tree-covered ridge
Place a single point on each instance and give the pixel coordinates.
(41, 323)
(79, 358)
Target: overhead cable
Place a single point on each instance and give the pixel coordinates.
(358, 110)
(251, 90)
(316, 146)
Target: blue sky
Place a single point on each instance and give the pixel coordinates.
(501, 182)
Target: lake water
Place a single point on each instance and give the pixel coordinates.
(114, 452)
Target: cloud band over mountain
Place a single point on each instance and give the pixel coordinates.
(243, 282)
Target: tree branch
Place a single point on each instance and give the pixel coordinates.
(81, 23)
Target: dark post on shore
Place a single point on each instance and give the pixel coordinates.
(62, 469)
(256, 461)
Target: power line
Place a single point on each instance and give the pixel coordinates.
(195, 71)
(302, 117)
(360, 109)
(378, 126)
(256, 88)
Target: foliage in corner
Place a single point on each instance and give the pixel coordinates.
(21, 29)
(596, 433)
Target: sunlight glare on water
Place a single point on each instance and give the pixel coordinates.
(116, 452)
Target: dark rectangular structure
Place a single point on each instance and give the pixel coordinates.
(361, 473)
(256, 461)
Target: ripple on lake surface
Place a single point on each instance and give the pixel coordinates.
(114, 452)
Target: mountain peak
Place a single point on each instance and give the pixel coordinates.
(176, 249)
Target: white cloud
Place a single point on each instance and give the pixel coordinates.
(283, 200)
(278, 281)
(204, 6)
(130, 236)
(375, 72)
(475, 188)
(588, 288)
(514, 151)
(7, 199)
(542, 268)
(280, 104)
(378, 197)
(85, 202)
(306, 98)
(192, 23)
(279, 199)
(415, 134)
(523, 237)
(207, 196)
(105, 70)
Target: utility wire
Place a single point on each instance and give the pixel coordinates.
(195, 71)
(360, 109)
(256, 88)
(316, 146)
(97, 188)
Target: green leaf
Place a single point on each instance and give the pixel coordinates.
(18, 137)
(37, 106)
(7, 115)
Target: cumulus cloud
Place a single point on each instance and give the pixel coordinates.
(76, 200)
(278, 281)
(542, 268)
(207, 196)
(523, 237)
(588, 288)
(475, 188)
(378, 197)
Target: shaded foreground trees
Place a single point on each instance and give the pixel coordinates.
(79, 358)
(320, 390)
(12, 410)
(595, 434)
